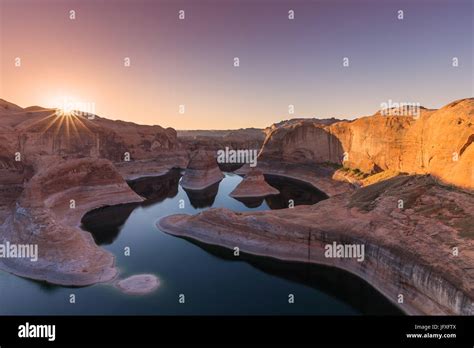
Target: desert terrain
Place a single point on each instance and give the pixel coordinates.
(402, 186)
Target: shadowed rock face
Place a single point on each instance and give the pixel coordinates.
(202, 171)
(407, 250)
(438, 142)
(253, 185)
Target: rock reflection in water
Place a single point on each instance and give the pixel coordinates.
(250, 202)
(337, 282)
(157, 188)
(105, 223)
(298, 191)
(203, 198)
(326, 290)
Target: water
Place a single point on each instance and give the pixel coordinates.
(212, 280)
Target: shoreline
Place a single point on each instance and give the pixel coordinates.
(430, 283)
(271, 255)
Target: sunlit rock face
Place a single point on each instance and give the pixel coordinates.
(438, 142)
(253, 185)
(202, 171)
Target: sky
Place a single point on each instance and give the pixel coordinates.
(190, 61)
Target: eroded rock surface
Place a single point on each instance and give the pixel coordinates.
(253, 185)
(54, 168)
(202, 171)
(48, 213)
(438, 142)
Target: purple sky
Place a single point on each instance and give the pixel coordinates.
(190, 61)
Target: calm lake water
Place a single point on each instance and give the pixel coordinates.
(212, 280)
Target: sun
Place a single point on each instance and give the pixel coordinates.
(64, 112)
(65, 106)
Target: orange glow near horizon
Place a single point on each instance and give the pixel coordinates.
(134, 60)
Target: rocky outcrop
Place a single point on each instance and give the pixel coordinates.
(438, 142)
(320, 176)
(54, 168)
(48, 213)
(408, 250)
(202, 171)
(253, 185)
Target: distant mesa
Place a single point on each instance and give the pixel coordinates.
(202, 171)
(253, 185)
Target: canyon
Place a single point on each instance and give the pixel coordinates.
(402, 186)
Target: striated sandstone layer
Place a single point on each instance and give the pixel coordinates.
(408, 251)
(202, 171)
(48, 214)
(254, 185)
(437, 142)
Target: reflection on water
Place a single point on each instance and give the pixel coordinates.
(298, 191)
(203, 198)
(251, 202)
(155, 189)
(107, 221)
(206, 269)
(291, 190)
(341, 284)
(214, 281)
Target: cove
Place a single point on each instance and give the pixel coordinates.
(213, 281)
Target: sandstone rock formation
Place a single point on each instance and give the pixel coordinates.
(38, 131)
(48, 214)
(438, 142)
(53, 169)
(253, 185)
(408, 251)
(202, 171)
(320, 176)
(213, 140)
